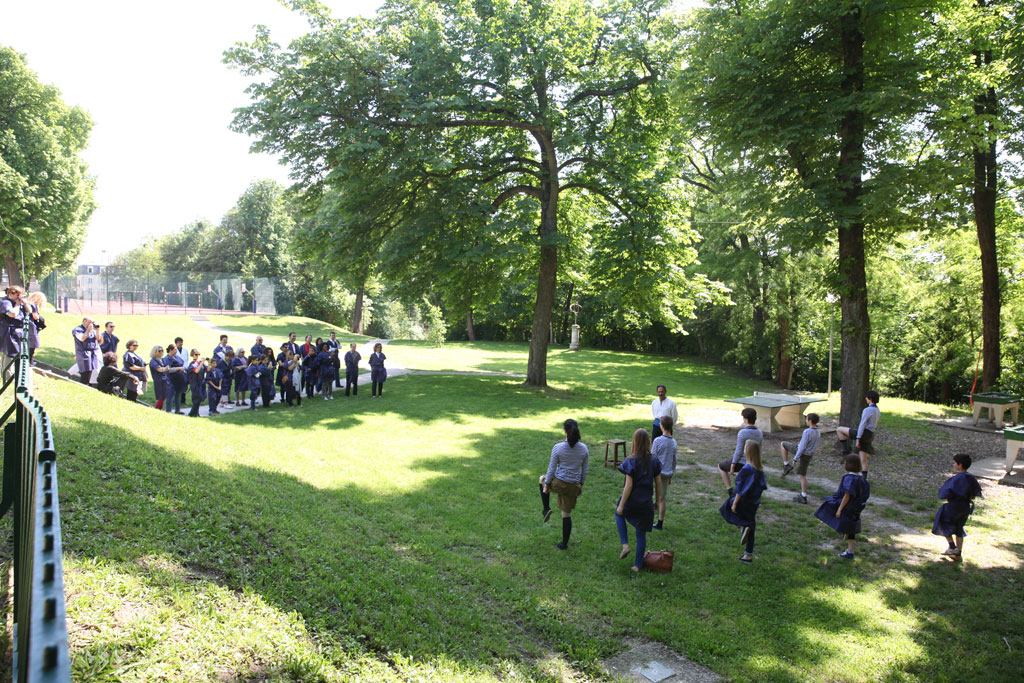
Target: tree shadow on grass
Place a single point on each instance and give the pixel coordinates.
(460, 568)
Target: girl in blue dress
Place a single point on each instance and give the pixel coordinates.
(175, 368)
(741, 507)
(378, 373)
(636, 504)
(959, 492)
(842, 510)
(159, 372)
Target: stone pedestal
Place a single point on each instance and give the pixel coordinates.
(574, 345)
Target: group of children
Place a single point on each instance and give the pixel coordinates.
(312, 368)
(842, 510)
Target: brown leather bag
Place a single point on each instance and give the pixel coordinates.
(659, 561)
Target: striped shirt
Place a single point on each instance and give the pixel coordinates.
(808, 442)
(664, 447)
(747, 433)
(568, 463)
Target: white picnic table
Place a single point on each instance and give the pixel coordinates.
(776, 412)
(1014, 442)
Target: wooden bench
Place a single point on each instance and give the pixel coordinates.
(615, 443)
(776, 412)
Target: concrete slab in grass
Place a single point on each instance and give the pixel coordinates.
(656, 663)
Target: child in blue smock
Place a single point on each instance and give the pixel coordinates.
(842, 510)
(959, 492)
(636, 504)
(325, 370)
(214, 384)
(196, 382)
(241, 380)
(741, 507)
(267, 377)
(253, 374)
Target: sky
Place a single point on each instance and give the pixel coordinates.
(151, 76)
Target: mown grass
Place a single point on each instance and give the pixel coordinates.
(399, 539)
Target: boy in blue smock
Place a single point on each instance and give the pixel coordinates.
(804, 452)
(214, 384)
(865, 432)
(741, 507)
(282, 369)
(253, 374)
(748, 432)
(959, 492)
(842, 510)
(352, 358)
(267, 378)
(237, 366)
(196, 382)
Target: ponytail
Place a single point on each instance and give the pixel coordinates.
(572, 432)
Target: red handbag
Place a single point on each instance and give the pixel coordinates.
(659, 561)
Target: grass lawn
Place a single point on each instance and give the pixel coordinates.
(400, 539)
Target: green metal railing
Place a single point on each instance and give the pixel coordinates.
(30, 489)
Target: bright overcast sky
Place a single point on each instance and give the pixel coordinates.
(150, 75)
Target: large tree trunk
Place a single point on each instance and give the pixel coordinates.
(470, 331)
(856, 327)
(537, 366)
(984, 196)
(13, 270)
(357, 312)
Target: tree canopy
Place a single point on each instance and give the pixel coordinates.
(45, 190)
(487, 117)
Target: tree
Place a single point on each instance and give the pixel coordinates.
(45, 189)
(977, 96)
(819, 95)
(516, 105)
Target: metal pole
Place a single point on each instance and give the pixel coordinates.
(831, 334)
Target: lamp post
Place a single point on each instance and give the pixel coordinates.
(831, 299)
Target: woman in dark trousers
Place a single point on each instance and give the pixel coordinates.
(378, 373)
(636, 504)
(175, 365)
(134, 364)
(161, 385)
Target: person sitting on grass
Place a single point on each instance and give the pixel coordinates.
(741, 508)
(567, 470)
(636, 504)
(110, 380)
(842, 510)
(664, 448)
(959, 492)
(748, 432)
(804, 452)
(865, 432)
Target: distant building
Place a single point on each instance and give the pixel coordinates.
(90, 283)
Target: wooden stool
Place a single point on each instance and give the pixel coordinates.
(615, 451)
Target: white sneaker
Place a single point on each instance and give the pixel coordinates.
(951, 551)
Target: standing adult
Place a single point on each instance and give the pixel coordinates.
(661, 406)
(220, 351)
(258, 349)
(36, 323)
(110, 340)
(183, 356)
(293, 346)
(87, 348)
(134, 365)
(636, 504)
(161, 385)
(352, 358)
(567, 470)
(175, 364)
(378, 373)
(12, 327)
